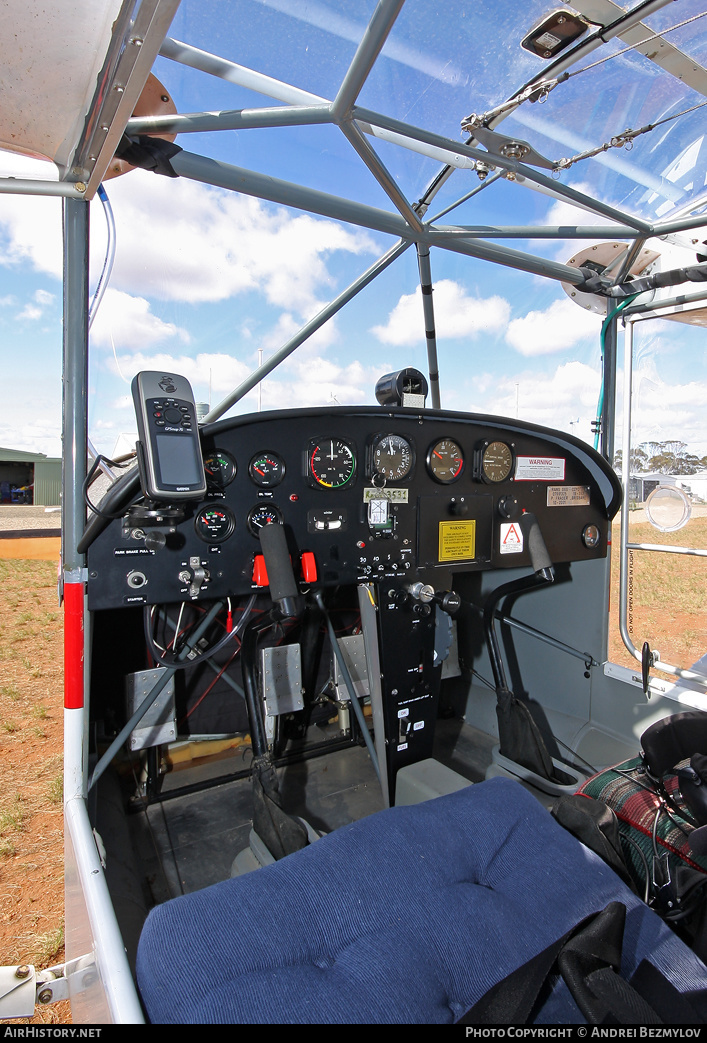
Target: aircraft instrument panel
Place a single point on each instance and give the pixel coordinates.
(367, 494)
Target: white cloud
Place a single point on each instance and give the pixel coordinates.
(565, 399)
(302, 382)
(177, 240)
(571, 391)
(33, 311)
(183, 241)
(557, 328)
(286, 327)
(218, 372)
(30, 231)
(663, 411)
(127, 323)
(30, 313)
(456, 315)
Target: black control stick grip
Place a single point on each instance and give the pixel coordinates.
(281, 578)
(539, 557)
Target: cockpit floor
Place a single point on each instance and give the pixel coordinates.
(190, 838)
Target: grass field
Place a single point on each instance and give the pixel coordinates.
(666, 604)
(31, 766)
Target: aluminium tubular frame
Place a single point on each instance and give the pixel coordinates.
(631, 316)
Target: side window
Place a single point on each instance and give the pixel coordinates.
(659, 567)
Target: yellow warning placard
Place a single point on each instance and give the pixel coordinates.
(457, 540)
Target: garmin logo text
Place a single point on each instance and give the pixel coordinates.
(182, 489)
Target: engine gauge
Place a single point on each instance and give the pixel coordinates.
(262, 514)
(445, 461)
(331, 462)
(267, 469)
(392, 457)
(214, 524)
(496, 462)
(220, 469)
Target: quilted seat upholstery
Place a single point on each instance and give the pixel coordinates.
(408, 916)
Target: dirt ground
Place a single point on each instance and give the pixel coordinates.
(31, 704)
(31, 712)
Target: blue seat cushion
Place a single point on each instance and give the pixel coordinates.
(408, 916)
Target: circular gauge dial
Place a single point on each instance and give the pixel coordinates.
(267, 469)
(445, 461)
(496, 462)
(214, 524)
(331, 462)
(262, 514)
(220, 469)
(392, 457)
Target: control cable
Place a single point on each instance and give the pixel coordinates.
(358, 712)
(157, 687)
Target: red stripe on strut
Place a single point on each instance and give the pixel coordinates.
(73, 646)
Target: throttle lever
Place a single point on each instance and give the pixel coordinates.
(281, 577)
(539, 557)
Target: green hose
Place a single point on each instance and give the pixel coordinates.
(602, 339)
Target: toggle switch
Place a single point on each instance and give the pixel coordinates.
(309, 567)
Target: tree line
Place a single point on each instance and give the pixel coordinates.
(662, 457)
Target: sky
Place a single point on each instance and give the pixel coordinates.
(206, 282)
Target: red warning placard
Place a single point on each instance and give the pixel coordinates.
(511, 539)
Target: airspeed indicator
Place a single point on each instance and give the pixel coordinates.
(331, 462)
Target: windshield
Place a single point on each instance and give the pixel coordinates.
(214, 281)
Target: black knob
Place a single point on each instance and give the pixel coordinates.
(458, 508)
(449, 601)
(155, 540)
(399, 596)
(508, 507)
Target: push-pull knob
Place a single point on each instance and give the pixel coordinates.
(448, 600)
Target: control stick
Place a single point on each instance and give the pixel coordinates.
(281, 577)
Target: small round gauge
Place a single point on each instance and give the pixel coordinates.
(392, 457)
(445, 461)
(267, 469)
(262, 514)
(496, 462)
(331, 462)
(220, 469)
(214, 524)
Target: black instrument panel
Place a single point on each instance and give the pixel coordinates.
(365, 494)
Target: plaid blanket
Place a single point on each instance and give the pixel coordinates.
(647, 823)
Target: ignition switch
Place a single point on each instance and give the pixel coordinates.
(196, 576)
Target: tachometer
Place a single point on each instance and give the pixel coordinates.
(331, 462)
(214, 524)
(392, 457)
(445, 461)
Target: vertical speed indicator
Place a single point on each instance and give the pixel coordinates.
(331, 462)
